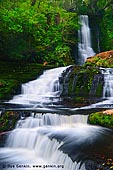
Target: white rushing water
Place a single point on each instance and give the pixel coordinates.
(36, 141)
(84, 46)
(108, 82)
(49, 141)
(45, 89)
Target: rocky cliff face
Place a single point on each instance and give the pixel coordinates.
(83, 82)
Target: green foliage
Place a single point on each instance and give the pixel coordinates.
(7, 86)
(108, 23)
(101, 119)
(40, 31)
(37, 33)
(10, 71)
(99, 90)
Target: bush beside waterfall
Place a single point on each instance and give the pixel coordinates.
(37, 32)
(13, 74)
(99, 118)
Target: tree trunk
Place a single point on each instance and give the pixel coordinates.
(57, 19)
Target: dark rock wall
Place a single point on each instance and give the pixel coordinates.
(83, 82)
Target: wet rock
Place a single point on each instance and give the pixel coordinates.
(90, 165)
(3, 137)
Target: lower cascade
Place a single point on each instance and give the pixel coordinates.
(49, 140)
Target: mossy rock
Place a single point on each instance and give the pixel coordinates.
(8, 121)
(101, 119)
(103, 59)
(80, 82)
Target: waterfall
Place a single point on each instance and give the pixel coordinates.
(108, 82)
(84, 46)
(38, 141)
(45, 89)
(49, 140)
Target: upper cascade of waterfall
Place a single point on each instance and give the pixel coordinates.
(84, 46)
(44, 89)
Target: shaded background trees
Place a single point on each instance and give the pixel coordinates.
(36, 31)
(39, 31)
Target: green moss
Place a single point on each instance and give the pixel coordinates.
(72, 79)
(89, 64)
(99, 118)
(80, 81)
(8, 121)
(99, 90)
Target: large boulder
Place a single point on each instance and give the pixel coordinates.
(83, 84)
(102, 118)
(103, 59)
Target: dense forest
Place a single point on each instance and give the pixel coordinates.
(46, 31)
